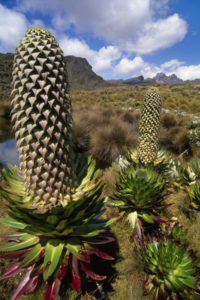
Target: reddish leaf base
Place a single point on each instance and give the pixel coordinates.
(33, 273)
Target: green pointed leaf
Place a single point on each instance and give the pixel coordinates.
(52, 256)
(74, 249)
(132, 218)
(32, 255)
(28, 241)
(12, 223)
(189, 281)
(52, 219)
(148, 218)
(93, 233)
(16, 235)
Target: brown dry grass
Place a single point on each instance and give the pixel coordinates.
(179, 97)
(107, 133)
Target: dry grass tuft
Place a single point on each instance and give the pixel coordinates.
(110, 141)
(179, 139)
(169, 120)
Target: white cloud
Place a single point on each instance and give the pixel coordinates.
(181, 70)
(157, 35)
(75, 47)
(160, 7)
(172, 64)
(110, 62)
(37, 23)
(101, 60)
(127, 66)
(140, 26)
(135, 67)
(188, 72)
(12, 28)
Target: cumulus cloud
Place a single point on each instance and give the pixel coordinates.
(135, 67)
(140, 26)
(110, 62)
(157, 35)
(101, 60)
(127, 66)
(159, 8)
(172, 64)
(188, 72)
(12, 28)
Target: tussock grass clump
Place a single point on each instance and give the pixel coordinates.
(81, 133)
(179, 139)
(104, 134)
(110, 141)
(174, 139)
(107, 133)
(169, 120)
(128, 284)
(131, 117)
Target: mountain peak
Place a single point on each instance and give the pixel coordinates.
(164, 79)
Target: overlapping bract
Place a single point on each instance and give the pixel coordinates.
(162, 164)
(41, 118)
(149, 126)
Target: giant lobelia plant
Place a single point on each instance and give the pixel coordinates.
(149, 126)
(55, 209)
(141, 188)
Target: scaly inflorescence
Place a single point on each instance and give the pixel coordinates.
(41, 117)
(149, 126)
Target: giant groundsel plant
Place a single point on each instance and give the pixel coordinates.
(55, 210)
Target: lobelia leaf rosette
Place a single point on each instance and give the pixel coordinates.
(171, 267)
(140, 193)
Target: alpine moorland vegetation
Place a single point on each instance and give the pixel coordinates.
(124, 228)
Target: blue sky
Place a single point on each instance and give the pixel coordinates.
(119, 38)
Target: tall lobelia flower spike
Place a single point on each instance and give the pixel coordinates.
(53, 199)
(41, 118)
(149, 126)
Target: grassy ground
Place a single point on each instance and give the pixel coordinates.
(126, 276)
(175, 97)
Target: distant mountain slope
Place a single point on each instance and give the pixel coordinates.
(139, 80)
(80, 74)
(164, 79)
(6, 63)
(160, 78)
